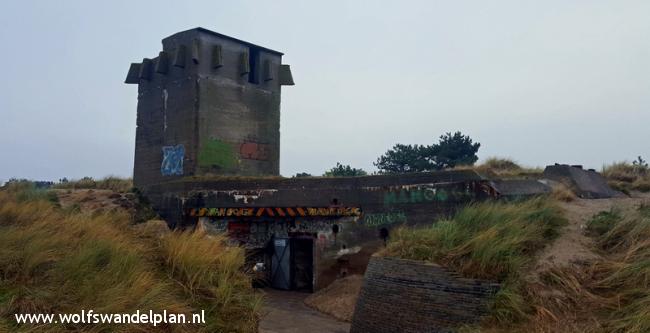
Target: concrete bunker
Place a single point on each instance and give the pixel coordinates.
(207, 154)
(294, 228)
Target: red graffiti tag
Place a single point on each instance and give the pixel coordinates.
(254, 151)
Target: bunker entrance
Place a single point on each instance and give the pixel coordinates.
(302, 264)
(292, 263)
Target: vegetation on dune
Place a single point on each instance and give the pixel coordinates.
(65, 261)
(341, 170)
(625, 177)
(608, 294)
(108, 183)
(612, 293)
(302, 175)
(561, 192)
(501, 164)
(491, 240)
(499, 167)
(499, 241)
(626, 240)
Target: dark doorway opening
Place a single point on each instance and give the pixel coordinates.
(302, 264)
(254, 65)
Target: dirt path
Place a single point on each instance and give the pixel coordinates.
(573, 246)
(285, 312)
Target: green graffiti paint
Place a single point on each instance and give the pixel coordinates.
(413, 196)
(442, 195)
(215, 153)
(390, 198)
(379, 219)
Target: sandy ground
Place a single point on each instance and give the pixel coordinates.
(339, 298)
(285, 312)
(573, 246)
(96, 200)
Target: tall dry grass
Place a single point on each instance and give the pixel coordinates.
(491, 240)
(499, 167)
(624, 176)
(55, 261)
(116, 184)
(607, 294)
(625, 279)
(561, 192)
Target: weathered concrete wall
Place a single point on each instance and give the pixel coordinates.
(208, 104)
(587, 184)
(410, 296)
(519, 188)
(382, 200)
(239, 121)
(345, 216)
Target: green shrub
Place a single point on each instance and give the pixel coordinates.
(603, 222)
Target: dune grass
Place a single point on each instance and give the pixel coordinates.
(616, 289)
(626, 177)
(561, 192)
(56, 261)
(116, 184)
(504, 168)
(610, 293)
(491, 240)
(499, 241)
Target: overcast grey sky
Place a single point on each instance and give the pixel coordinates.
(538, 81)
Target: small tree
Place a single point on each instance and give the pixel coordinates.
(640, 166)
(454, 149)
(405, 158)
(341, 170)
(302, 174)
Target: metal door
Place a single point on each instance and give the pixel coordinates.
(281, 264)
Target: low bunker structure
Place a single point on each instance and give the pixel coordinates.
(513, 189)
(411, 296)
(587, 184)
(310, 231)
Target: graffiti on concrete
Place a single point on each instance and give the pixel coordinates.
(249, 196)
(258, 234)
(415, 195)
(213, 226)
(275, 211)
(217, 154)
(172, 163)
(379, 219)
(254, 151)
(325, 239)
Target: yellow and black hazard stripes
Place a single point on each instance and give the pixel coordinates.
(275, 211)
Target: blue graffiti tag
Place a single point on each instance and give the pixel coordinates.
(172, 163)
